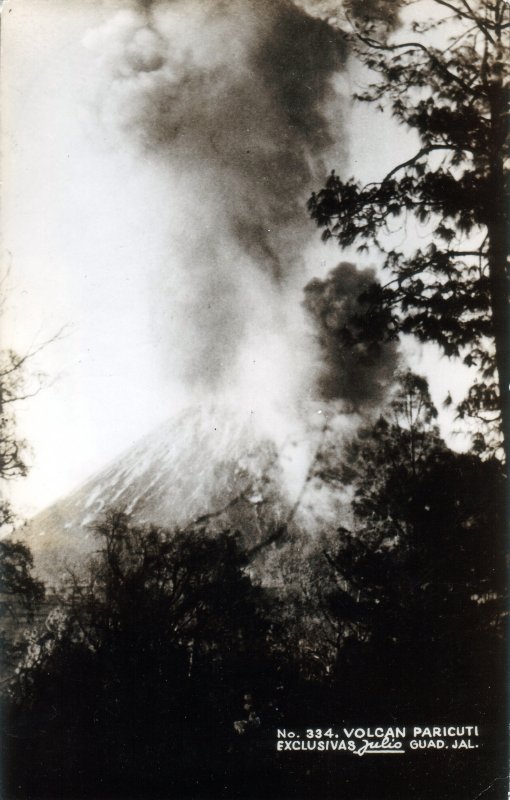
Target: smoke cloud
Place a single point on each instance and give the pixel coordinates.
(235, 88)
(234, 103)
(230, 99)
(358, 361)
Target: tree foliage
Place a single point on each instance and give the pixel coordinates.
(156, 659)
(20, 595)
(416, 578)
(448, 84)
(164, 669)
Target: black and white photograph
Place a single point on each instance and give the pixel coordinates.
(254, 399)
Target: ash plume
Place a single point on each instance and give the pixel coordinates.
(229, 99)
(233, 103)
(358, 358)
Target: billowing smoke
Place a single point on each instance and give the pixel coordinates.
(230, 99)
(229, 92)
(358, 358)
(234, 103)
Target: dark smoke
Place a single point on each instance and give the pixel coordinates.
(239, 87)
(358, 359)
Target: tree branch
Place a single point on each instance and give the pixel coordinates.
(419, 46)
(423, 152)
(470, 14)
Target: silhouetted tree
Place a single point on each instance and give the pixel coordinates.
(20, 595)
(419, 578)
(12, 447)
(17, 383)
(152, 666)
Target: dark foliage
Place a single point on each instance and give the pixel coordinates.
(164, 671)
(419, 582)
(20, 596)
(148, 672)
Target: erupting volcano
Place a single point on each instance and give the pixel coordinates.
(233, 104)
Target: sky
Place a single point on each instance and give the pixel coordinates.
(141, 230)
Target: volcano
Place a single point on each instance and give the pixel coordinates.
(206, 469)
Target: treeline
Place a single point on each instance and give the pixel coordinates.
(164, 667)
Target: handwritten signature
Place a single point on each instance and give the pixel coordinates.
(384, 746)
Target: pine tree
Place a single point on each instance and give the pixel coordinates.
(454, 288)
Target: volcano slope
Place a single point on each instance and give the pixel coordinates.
(203, 470)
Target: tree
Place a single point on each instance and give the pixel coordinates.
(12, 448)
(16, 384)
(415, 578)
(152, 665)
(20, 594)
(454, 289)
(20, 591)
